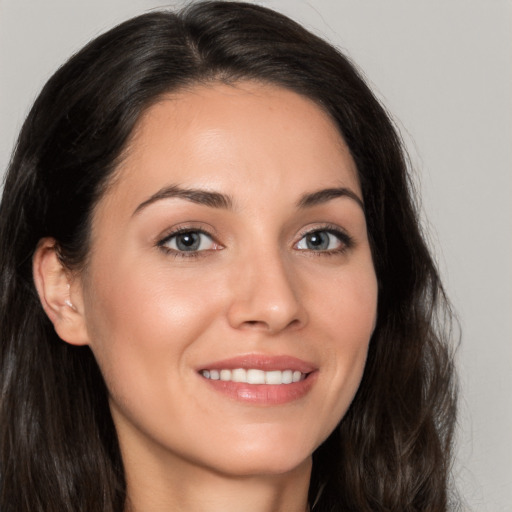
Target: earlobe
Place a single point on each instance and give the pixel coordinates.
(58, 293)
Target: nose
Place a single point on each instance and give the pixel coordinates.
(266, 296)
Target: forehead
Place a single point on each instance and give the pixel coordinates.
(250, 137)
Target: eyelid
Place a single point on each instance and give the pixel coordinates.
(343, 236)
(174, 231)
(184, 227)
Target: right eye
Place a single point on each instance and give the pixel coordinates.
(320, 240)
(190, 241)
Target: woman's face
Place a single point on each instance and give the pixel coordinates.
(229, 257)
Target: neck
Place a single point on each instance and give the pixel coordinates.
(192, 489)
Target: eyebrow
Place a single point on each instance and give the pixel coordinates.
(223, 201)
(327, 194)
(204, 197)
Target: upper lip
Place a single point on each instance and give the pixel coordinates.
(261, 362)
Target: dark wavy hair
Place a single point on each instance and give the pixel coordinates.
(58, 445)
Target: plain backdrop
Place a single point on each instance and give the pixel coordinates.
(444, 70)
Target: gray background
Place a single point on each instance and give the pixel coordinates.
(444, 69)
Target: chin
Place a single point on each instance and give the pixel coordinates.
(265, 455)
(272, 464)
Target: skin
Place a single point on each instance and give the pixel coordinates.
(153, 316)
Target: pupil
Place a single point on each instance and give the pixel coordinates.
(188, 242)
(319, 240)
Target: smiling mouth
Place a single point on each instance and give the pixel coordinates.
(260, 379)
(255, 376)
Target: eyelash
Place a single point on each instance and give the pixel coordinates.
(344, 238)
(186, 254)
(346, 241)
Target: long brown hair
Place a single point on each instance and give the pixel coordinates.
(58, 444)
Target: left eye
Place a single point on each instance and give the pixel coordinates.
(189, 241)
(320, 241)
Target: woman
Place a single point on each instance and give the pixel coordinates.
(215, 293)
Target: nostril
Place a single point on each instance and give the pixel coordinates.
(294, 323)
(260, 308)
(255, 323)
(260, 324)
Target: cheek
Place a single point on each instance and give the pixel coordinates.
(347, 306)
(347, 317)
(143, 323)
(136, 299)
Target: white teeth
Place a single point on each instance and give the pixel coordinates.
(254, 376)
(287, 377)
(239, 375)
(225, 375)
(274, 377)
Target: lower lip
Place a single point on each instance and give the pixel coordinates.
(264, 394)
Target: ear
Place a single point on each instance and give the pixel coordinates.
(60, 293)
